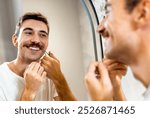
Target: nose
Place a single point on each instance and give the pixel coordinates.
(35, 38)
(101, 28)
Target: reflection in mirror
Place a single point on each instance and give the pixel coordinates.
(70, 36)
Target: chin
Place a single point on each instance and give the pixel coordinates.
(108, 54)
(34, 58)
(113, 55)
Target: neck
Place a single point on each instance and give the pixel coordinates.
(141, 69)
(18, 66)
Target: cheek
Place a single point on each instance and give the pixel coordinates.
(45, 43)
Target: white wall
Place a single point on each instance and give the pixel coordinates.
(65, 41)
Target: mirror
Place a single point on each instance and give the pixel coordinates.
(71, 37)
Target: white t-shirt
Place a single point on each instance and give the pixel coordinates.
(12, 86)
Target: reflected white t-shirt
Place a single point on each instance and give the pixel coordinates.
(12, 86)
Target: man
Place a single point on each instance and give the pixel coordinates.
(127, 34)
(25, 77)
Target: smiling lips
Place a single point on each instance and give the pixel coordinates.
(34, 48)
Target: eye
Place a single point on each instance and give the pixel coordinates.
(107, 8)
(28, 32)
(43, 35)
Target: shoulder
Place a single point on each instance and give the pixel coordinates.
(4, 65)
(4, 69)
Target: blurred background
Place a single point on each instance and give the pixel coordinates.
(73, 38)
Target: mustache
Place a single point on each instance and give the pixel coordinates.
(34, 44)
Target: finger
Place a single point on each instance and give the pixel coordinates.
(40, 71)
(48, 58)
(102, 69)
(91, 71)
(30, 67)
(116, 82)
(45, 62)
(36, 67)
(44, 75)
(91, 82)
(116, 66)
(92, 67)
(104, 74)
(108, 62)
(46, 65)
(52, 56)
(122, 72)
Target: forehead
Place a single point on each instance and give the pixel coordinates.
(35, 25)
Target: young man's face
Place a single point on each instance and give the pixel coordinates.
(120, 38)
(32, 40)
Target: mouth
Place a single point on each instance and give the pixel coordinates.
(34, 47)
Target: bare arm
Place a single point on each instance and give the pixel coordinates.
(52, 67)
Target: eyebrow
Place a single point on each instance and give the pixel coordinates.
(28, 28)
(42, 31)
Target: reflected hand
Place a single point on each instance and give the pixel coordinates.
(52, 66)
(99, 86)
(34, 76)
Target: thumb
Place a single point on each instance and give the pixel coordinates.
(104, 75)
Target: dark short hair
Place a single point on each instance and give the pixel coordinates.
(131, 4)
(31, 15)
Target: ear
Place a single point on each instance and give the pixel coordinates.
(141, 14)
(14, 40)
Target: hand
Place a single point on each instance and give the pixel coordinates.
(52, 66)
(98, 82)
(116, 71)
(34, 76)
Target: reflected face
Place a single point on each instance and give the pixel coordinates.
(32, 40)
(117, 31)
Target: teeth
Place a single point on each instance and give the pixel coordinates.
(34, 48)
